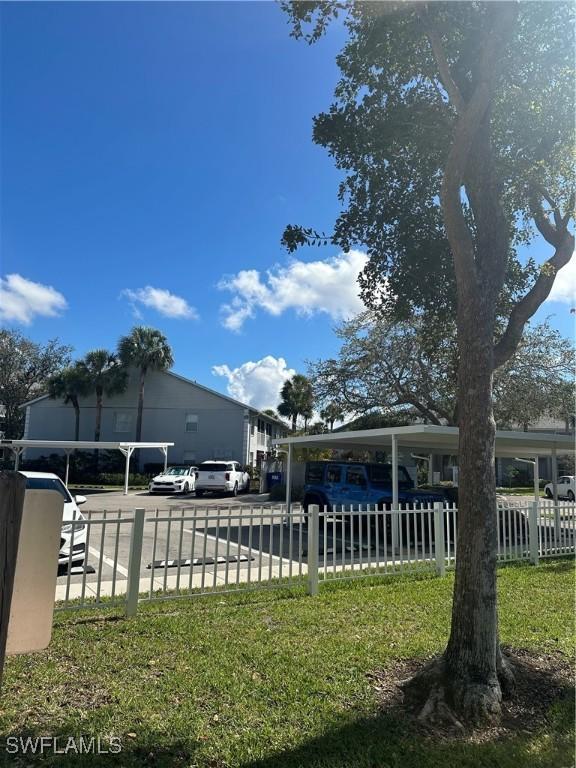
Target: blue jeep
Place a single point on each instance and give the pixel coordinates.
(332, 484)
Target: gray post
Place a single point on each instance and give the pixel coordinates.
(313, 541)
(12, 489)
(134, 562)
(533, 532)
(439, 535)
(431, 469)
(536, 479)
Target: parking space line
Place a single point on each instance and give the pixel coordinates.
(215, 538)
(110, 563)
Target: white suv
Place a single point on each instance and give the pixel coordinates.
(73, 528)
(223, 476)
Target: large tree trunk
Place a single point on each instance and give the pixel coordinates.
(472, 653)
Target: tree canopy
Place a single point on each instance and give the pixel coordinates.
(400, 367)
(25, 366)
(297, 399)
(406, 71)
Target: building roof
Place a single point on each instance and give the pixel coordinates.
(435, 439)
(194, 384)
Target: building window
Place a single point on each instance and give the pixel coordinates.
(191, 422)
(122, 422)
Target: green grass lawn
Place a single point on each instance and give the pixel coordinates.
(276, 679)
(520, 491)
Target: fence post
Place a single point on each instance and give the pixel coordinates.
(557, 525)
(533, 532)
(313, 541)
(134, 562)
(439, 549)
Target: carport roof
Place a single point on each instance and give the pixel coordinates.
(435, 439)
(80, 445)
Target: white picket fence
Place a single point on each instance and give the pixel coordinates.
(161, 555)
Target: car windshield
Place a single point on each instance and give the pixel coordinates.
(381, 474)
(48, 484)
(177, 471)
(208, 467)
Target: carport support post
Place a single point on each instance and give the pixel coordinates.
(536, 480)
(533, 532)
(439, 535)
(17, 453)
(67, 468)
(395, 512)
(289, 480)
(128, 454)
(134, 562)
(313, 537)
(165, 452)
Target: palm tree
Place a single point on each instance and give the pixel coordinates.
(105, 375)
(297, 399)
(148, 350)
(331, 413)
(69, 384)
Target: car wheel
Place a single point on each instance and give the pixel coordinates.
(548, 493)
(186, 488)
(235, 490)
(570, 495)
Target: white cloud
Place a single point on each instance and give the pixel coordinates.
(164, 302)
(257, 384)
(22, 300)
(329, 286)
(564, 288)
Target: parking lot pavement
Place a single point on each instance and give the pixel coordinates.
(115, 500)
(206, 545)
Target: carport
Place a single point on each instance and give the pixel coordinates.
(431, 439)
(69, 446)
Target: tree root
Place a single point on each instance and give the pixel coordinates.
(439, 699)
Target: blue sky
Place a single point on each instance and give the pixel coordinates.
(152, 154)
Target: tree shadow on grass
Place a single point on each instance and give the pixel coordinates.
(536, 733)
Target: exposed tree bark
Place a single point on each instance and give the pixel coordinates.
(471, 657)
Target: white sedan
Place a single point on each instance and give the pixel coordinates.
(566, 486)
(177, 479)
(73, 528)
